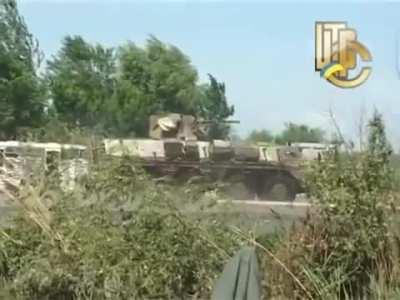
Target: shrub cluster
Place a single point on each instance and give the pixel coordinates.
(118, 236)
(346, 242)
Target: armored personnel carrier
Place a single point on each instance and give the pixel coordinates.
(178, 148)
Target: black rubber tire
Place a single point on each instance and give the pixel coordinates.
(239, 191)
(239, 188)
(281, 188)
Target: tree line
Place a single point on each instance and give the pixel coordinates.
(107, 90)
(291, 133)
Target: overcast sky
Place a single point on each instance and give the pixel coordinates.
(263, 51)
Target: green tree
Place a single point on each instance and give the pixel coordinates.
(81, 80)
(261, 135)
(154, 79)
(22, 93)
(93, 87)
(299, 133)
(379, 152)
(213, 106)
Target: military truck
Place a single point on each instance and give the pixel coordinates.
(177, 148)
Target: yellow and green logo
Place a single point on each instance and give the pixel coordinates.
(336, 50)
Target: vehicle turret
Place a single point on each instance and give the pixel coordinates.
(181, 127)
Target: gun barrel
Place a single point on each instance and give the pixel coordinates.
(223, 121)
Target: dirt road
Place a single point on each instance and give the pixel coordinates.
(264, 216)
(260, 216)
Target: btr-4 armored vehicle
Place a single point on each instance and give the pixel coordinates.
(177, 147)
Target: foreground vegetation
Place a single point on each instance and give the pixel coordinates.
(347, 249)
(119, 235)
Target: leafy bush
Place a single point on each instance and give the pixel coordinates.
(118, 236)
(345, 242)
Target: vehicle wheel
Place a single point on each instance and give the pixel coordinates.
(239, 188)
(279, 189)
(238, 191)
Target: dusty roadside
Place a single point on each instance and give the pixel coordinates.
(5, 209)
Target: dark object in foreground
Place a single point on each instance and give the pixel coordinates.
(240, 279)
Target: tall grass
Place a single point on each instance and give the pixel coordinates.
(348, 246)
(117, 236)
